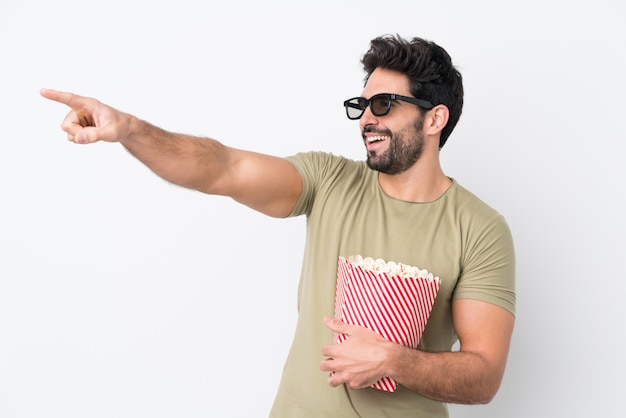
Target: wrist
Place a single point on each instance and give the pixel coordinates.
(136, 127)
(401, 360)
(137, 130)
(394, 363)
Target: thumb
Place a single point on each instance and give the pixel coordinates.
(87, 135)
(337, 325)
(91, 134)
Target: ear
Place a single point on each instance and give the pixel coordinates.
(436, 119)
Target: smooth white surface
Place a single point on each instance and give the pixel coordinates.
(121, 295)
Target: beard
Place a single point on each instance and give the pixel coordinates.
(405, 148)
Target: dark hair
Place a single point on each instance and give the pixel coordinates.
(429, 68)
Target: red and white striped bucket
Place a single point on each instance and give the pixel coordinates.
(384, 300)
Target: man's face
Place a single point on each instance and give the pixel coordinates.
(394, 142)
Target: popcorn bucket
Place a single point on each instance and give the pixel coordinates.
(393, 299)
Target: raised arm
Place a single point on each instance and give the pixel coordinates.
(265, 183)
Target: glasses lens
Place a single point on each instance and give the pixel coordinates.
(355, 107)
(380, 104)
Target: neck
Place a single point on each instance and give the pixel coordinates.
(424, 182)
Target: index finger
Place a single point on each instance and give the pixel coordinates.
(74, 101)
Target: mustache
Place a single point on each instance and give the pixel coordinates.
(376, 130)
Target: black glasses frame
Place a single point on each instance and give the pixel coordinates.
(361, 103)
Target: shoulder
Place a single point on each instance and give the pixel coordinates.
(324, 175)
(469, 204)
(318, 157)
(488, 252)
(317, 164)
(479, 223)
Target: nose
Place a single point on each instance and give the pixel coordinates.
(368, 118)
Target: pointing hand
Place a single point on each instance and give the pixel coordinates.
(90, 120)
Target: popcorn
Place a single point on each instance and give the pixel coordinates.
(391, 268)
(393, 299)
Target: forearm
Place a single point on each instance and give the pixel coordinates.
(268, 184)
(471, 375)
(456, 377)
(187, 161)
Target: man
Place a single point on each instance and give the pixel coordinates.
(398, 205)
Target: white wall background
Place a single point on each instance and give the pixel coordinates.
(116, 289)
